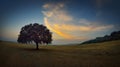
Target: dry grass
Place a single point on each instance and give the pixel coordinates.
(105, 54)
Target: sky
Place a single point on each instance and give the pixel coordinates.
(70, 21)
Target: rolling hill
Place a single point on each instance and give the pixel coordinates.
(113, 36)
(105, 54)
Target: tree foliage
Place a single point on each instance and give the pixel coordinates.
(35, 33)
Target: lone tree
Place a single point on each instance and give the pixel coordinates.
(39, 34)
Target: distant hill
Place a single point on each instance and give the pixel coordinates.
(113, 36)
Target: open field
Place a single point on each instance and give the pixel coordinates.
(105, 54)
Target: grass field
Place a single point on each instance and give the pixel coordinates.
(105, 54)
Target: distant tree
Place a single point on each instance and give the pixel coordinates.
(39, 34)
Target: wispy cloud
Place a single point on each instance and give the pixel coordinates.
(81, 28)
(58, 20)
(56, 30)
(54, 14)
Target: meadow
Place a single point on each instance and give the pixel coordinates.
(106, 54)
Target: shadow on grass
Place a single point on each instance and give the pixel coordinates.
(40, 49)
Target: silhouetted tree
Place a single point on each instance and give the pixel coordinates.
(35, 33)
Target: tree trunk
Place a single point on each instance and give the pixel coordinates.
(37, 45)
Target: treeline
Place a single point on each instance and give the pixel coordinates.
(113, 36)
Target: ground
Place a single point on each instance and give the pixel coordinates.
(105, 54)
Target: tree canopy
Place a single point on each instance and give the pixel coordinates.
(37, 33)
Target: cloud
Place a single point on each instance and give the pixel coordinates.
(56, 30)
(89, 28)
(60, 30)
(56, 13)
(60, 22)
